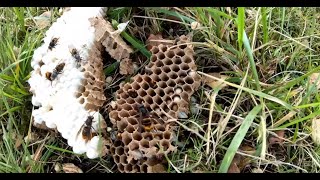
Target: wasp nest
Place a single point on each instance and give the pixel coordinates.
(110, 39)
(145, 132)
(67, 81)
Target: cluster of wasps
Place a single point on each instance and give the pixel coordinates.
(86, 128)
(59, 68)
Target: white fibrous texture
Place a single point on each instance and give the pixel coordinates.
(66, 100)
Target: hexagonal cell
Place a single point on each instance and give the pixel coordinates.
(172, 113)
(148, 99)
(116, 158)
(147, 136)
(157, 100)
(123, 114)
(144, 143)
(112, 149)
(186, 59)
(167, 99)
(160, 55)
(122, 125)
(137, 136)
(169, 54)
(178, 89)
(133, 145)
(167, 135)
(126, 87)
(145, 85)
(180, 52)
(147, 79)
(130, 128)
(189, 80)
(173, 106)
(175, 68)
(167, 61)
(157, 136)
(180, 82)
(177, 60)
(169, 91)
(182, 74)
(164, 77)
(155, 50)
(163, 48)
(126, 138)
(120, 167)
(130, 101)
(159, 64)
(165, 107)
(114, 115)
(138, 79)
(135, 168)
(86, 93)
(164, 117)
(157, 71)
(134, 161)
(81, 100)
(132, 121)
(119, 151)
(128, 168)
(165, 144)
(171, 83)
(135, 86)
(121, 101)
(173, 75)
(81, 89)
(132, 112)
(151, 92)
(160, 92)
(184, 96)
(155, 77)
(166, 69)
(159, 127)
(126, 107)
(123, 160)
(187, 88)
(142, 93)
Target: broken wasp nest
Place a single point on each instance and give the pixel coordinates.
(67, 81)
(140, 115)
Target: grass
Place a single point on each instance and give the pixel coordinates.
(268, 54)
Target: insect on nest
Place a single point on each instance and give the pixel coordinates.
(56, 71)
(75, 54)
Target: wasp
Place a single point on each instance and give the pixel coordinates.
(75, 54)
(53, 43)
(86, 129)
(145, 118)
(56, 71)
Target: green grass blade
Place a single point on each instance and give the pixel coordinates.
(295, 121)
(135, 43)
(240, 26)
(111, 68)
(175, 14)
(217, 12)
(264, 25)
(236, 141)
(257, 93)
(251, 60)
